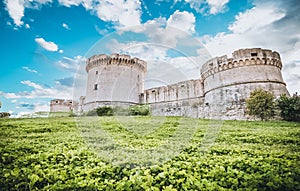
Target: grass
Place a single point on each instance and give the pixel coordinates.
(148, 153)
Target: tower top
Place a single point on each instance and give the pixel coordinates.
(240, 58)
(115, 59)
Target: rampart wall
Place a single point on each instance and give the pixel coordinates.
(61, 105)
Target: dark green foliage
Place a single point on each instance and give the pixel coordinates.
(105, 111)
(4, 114)
(120, 111)
(289, 107)
(261, 104)
(139, 110)
(101, 111)
(50, 154)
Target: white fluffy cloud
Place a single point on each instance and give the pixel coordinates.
(71, 64)
(184, 21)
(212, 7)
(121, 12)
(255, 19)
(15, 9)
(40, 91)
(69, 3)
(216, 6)
(142, 50)
(163, 34)
(50, 46)
(168, 31)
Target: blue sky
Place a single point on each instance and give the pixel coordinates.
(44, 42)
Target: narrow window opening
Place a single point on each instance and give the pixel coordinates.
(96, 72)
(96, 87)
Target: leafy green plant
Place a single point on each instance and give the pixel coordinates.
(139, 110)
(51, 154)
(261, 104)
(4, 114)
(289, 107)
(105, 111)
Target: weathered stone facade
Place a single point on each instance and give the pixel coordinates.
(220, 92)
(61, 105)
(114, 80)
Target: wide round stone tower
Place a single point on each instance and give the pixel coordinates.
(229, 81)
(114, 80)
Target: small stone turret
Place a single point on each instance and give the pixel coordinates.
(114, 80)
(61, 105)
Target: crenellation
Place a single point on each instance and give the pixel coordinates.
(115, 59)
(240, 58)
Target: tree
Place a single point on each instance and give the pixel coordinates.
(4, 114)
(289, 107)
(261, 104)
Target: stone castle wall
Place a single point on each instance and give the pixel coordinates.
(220, 92)
(226, 83)
(61, 105)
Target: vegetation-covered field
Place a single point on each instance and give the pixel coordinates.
(56, 154)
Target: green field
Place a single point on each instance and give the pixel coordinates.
(68, 154)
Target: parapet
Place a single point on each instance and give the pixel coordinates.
(115, 59)
(240, 58)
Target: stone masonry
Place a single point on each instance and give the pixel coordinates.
(220, 92)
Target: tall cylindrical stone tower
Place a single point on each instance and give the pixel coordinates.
(229, 81)
(114, 80)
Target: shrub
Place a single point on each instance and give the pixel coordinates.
(105, 111)
(4, 114)
(261, 104)
(119, 111)
(139, 110)
(289, 107)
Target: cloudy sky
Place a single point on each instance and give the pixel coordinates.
(44, 42)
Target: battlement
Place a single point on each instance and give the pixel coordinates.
(115, 59)
(240, 58)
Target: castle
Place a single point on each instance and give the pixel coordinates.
(220, 92)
